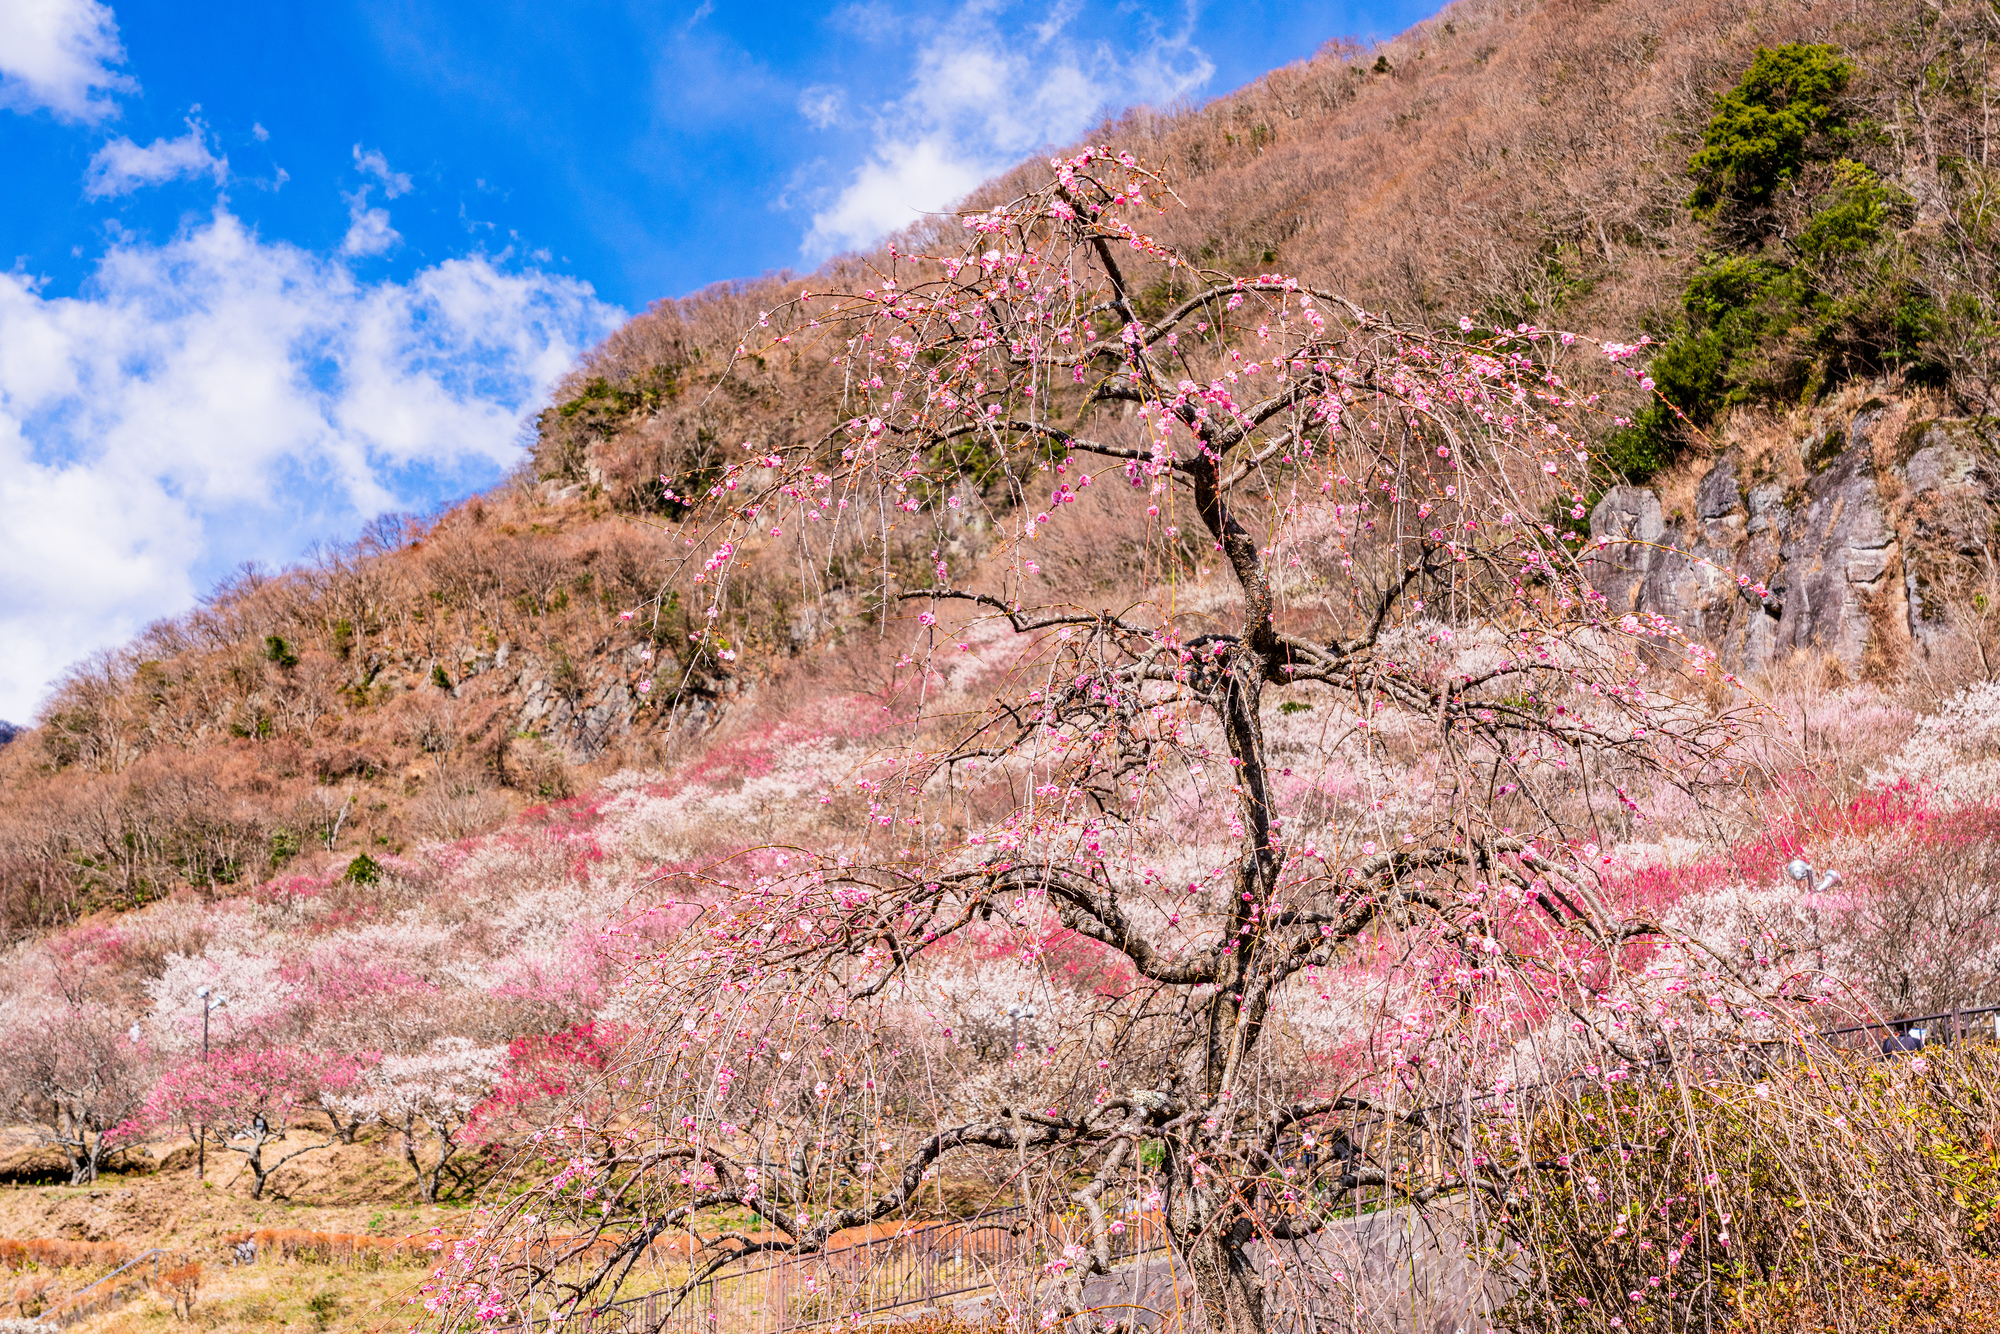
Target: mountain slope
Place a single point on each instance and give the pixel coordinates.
(1504, 161)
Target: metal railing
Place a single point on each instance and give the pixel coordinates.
(918, 1266)
(1938, 1029)
(1951, 1026)
(81, 1303)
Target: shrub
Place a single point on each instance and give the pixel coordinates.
(1759, 136)
(55, 1253)
(1857, 211)
(1771, 324)
(1789, 1192)
(302, 1245)
(183, 1284)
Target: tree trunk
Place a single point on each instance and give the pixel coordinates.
(73, 1135)
(345, 1130)
(426, 1186)
(445, 1151)
(1230, 1291)
(1213, 1248)
(258, 1176)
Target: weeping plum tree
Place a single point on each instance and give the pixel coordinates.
(1307, 823)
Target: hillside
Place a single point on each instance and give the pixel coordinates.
(445, 814)
(1513, 162)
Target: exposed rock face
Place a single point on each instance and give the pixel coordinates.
(1883, 520)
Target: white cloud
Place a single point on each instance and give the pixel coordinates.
(221, 398)
(60, 56)
(982, 98)
(372, 162)
(368, 229)
(892, 188)
(121, 166)
(822, 105)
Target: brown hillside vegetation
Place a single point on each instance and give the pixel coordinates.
(429, 681)
(1505, 161)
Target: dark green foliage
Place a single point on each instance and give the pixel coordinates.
(1759, 136)
(438, 677)
(1855, 213)
(598, 410)
(1812, 285)
(278, 651)
(323, 1308)
(1636, 451)
(1709, 364)
(604, 406)
(363, 870)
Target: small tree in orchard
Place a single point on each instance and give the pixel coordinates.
(250, 1100)
(77, 1077)
(431, 1093)
(1252, 776)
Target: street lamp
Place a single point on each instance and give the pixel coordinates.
(1799, 870)
(210, 1003)
(1016, 1013)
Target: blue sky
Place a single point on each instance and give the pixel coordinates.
(267, 270)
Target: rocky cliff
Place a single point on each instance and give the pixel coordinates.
(1861, 532)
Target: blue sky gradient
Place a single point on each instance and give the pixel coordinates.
(271, 269)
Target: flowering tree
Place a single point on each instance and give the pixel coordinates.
(434, 1092)
(543, 1071)
(249, 1100)
(77, 1077)
(1308, 822)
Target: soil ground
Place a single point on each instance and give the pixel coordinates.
(155, 1200)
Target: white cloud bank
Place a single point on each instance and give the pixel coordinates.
(220, 398)
(985, 94)
(121, 166)
(61, 56)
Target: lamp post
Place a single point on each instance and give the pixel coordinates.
(1799, 870)
(209, 1005)
(1015, 1014)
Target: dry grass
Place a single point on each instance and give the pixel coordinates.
(351, 1189)
(262, 1299)
(321, 1251)
(1830, 1192)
